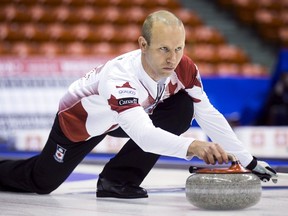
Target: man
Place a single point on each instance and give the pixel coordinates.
(150, 95)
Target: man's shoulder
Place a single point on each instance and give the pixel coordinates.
(127, 56)
(187, 60)
(186, 65)
(124, 62)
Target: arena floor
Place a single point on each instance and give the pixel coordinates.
(166, 188)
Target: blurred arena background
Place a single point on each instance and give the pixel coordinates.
(240, 47)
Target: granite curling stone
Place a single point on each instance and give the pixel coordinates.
(223, 188)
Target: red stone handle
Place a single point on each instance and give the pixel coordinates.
(235, 167)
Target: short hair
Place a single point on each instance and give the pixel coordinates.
(161, 16)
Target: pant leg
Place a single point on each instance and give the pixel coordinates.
(45, 172)
(131, 165)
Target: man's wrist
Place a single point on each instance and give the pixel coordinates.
(252, 164)
(190, 151)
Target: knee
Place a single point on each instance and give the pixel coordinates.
(175, 113)
(184, 109)
(183, 113)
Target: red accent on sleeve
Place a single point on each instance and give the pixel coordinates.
(196, 100)
(187, 73)
(126, 85)
(111, 128)
(72, 123)
(114, 104)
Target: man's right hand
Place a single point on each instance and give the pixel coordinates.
(208, 151)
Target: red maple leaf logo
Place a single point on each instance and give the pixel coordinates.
(126, 85)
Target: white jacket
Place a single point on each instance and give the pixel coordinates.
(121, 94)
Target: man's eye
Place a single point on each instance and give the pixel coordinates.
(165, 49)
(179, 49)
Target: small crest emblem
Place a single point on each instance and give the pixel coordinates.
(59, 154)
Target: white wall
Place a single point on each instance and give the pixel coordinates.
(261, 141)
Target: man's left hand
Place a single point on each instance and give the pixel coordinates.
(263, 171)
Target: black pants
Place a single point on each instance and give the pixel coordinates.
(43, 173)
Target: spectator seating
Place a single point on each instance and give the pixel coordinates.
(268, 17)
(110, 27)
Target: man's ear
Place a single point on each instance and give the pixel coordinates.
(142, 43)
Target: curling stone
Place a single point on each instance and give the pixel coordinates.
(223, 188)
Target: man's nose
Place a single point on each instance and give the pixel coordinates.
(172, 58)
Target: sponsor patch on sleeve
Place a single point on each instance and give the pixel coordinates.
(127, 101)
(125, 91)
(124, 97)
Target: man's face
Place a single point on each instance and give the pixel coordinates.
(165, 51)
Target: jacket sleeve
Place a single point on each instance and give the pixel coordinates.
(137, 124)
(214, 124)
(122, 97)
